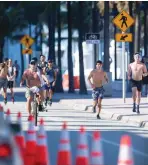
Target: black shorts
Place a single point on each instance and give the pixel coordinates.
(50, 87)
(137, 84)
(10, 84)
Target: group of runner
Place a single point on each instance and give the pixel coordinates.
(39, 74)
(137, 72)
(8, 75)
(42, 75)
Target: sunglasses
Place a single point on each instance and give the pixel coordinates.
(32, 63)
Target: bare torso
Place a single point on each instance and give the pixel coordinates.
(32, 78)
(137, 71)
(98, 77)
(3, 71)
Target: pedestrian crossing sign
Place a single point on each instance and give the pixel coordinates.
(126, 37)
(27, 41)
(123, 21)
(27, 51)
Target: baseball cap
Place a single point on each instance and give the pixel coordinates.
(35, 59)
(32, 62)
(50, 61)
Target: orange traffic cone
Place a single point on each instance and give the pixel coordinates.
(19, 138)
(96, 151)
(64, 155)
(42, 148)
(1, 112)
(125, 153)
(8, 117)
(30, 143)
(82, 149)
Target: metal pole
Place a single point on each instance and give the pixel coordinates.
(123, 72)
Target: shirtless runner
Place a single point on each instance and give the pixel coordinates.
(98, 77)
(32, 77)
(135, 72)
(3, 78)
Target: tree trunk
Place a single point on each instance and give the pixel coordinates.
(1, 50)
(83, 89)
(22, 59)
(59, 86)
(95, 27)
(53, 32)
(41, 37)
(131, 44)
(51, 27)
(70, 61)
(106, 36)
(30, 34)
(49, 36)
(145, 32)
(137, 28)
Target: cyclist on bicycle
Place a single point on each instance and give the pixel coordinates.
(33, 77)
(51, 75)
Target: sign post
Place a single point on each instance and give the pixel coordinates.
(123, 21)
(123, 72)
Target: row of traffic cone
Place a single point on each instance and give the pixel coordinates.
(35, 150)
(96, 158)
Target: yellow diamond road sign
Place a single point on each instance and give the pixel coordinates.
(123, 21)
(126, 37)
(27, 41)
(27, 51)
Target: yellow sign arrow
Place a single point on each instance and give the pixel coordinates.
(126, 37)
(27, 51)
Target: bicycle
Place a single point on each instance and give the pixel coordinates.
(35, 105)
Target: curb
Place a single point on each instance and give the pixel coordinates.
(110, 115)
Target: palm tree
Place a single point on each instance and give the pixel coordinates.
(106, 36)
(137, 28)
(131, 44)
(145, 29)
(70, 62)
(83, 89)
(51, 27)
(59, 86)
(115, 31)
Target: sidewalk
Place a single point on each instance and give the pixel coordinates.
(112, 108)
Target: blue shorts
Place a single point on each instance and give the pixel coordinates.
(98, 93)
(46, 87)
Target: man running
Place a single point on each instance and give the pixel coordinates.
(51, 75)
(98, 77)
(3, 78)
(42, 62)
(11, 78)
(33, 78)
(136, 70)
